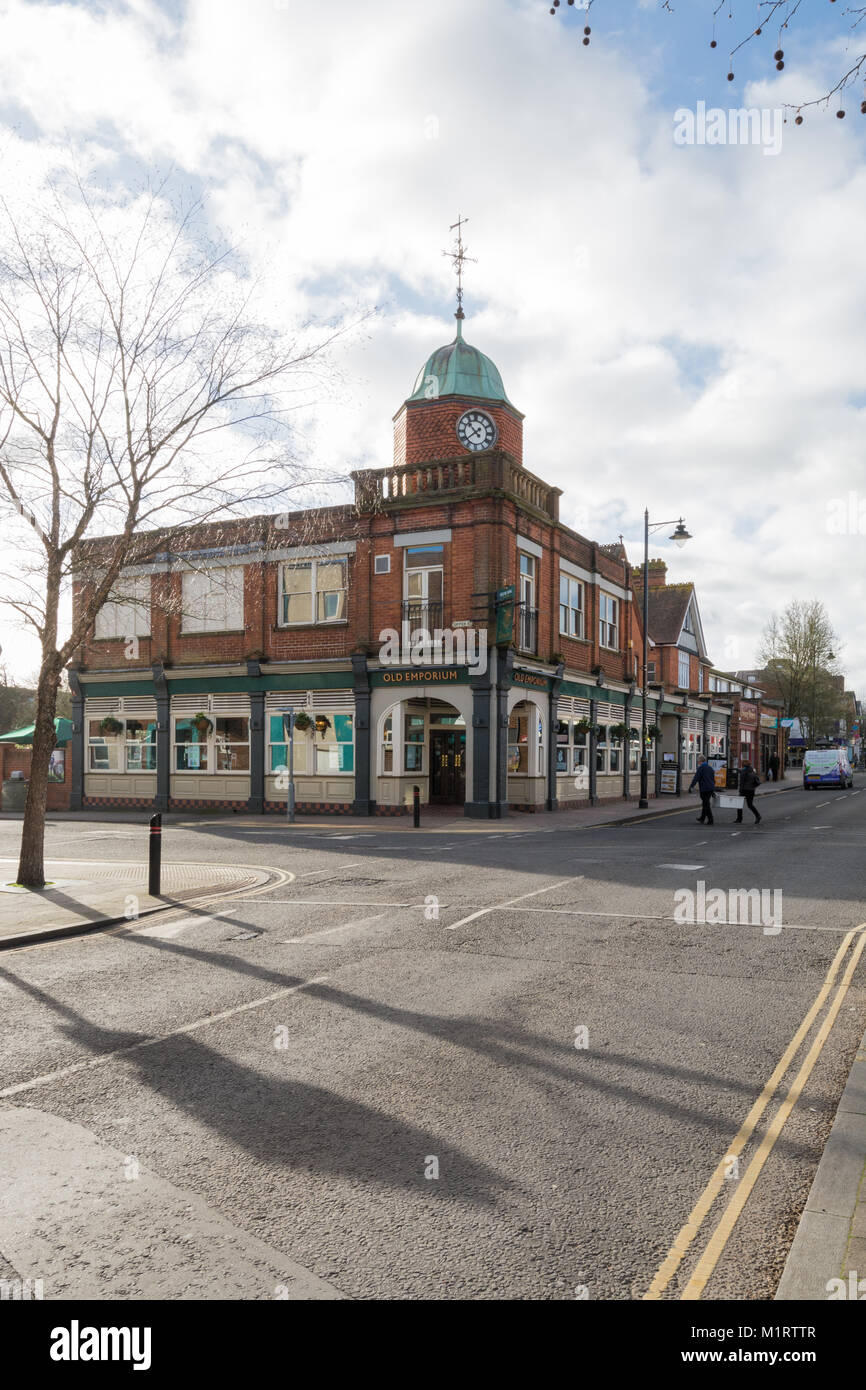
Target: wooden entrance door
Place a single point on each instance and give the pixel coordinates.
(447, 767)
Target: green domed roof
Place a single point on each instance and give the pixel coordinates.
(460, 370)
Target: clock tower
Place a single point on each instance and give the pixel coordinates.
(458, 404)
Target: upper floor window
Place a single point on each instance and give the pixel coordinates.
(127, 612)
(650, 671)
(423, 578)
(314, 591)
(683, 672)
(687, 622)
(608, 621)
(527, 579)
(700, 678)
(213, 600)
(571, 606)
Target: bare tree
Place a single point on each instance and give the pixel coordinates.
(800, 650)
(139, 390)
(774, 19)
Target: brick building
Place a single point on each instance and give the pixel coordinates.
(693, 723)
(456, 540)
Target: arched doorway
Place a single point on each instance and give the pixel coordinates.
(527, 750)
(422, 741)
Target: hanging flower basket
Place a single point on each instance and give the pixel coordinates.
(654, 732)
(323, 724)
(583, 726)
(202, 723)
(110, 725)
(302, 720)
(619, 731)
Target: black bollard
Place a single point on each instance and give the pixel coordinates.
(154, 855)
(416, 807)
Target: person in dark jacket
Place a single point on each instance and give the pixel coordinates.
(749, 783)
(706, 784)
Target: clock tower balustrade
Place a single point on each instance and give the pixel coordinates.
(493, 472)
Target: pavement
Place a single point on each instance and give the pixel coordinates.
(828, 1256)
(485, 1062)
(86, 895)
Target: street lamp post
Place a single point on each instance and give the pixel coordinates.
(680, 536)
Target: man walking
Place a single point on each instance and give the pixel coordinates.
(706, 782)
(749, 782)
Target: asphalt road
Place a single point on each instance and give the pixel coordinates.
(372, 1082)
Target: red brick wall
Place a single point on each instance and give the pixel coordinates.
(427, 430)
(14, 759)
(481, 557)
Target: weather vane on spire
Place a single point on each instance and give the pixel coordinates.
(458, 256)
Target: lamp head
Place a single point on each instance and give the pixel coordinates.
(681, 535)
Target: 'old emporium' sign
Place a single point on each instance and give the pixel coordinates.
(420, 675)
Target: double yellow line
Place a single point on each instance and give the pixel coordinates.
(720, 1236)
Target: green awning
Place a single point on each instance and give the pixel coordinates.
(62, 730)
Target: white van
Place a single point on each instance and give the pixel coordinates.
(827, 767)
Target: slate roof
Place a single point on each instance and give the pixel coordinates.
(667, 609)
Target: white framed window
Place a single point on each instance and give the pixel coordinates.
(700, 678)
(414, 742)
(683, 671)
(314, 591)
(127, 613)
(131, 748)
(528, 570)
(382, 564)
(213, 600)
(424, 587)
(526, 741)
(601, 748)
(687, 622)
(571, 606)
(334, 747)
(223, 746)
(608, 621)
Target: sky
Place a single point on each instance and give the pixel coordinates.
(681, 320)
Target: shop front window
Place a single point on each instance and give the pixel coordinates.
(601, 750)
(413, 743)
(131, 748)
(335, 749)
(190, 747)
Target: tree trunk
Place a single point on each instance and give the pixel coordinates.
(31, 863)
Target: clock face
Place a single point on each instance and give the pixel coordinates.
(476, 430)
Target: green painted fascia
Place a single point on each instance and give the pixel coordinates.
(91, 689)
(202, 685)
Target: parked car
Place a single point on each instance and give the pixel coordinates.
(827, 767)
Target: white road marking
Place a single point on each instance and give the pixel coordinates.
(314, 935)
(820, 804)
(331, 869)
(325, 902)
(164, 931)
(639, 916)
(205, 1022)
(497, 907)
(822, 827)
(739, 832)
(679, 866)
